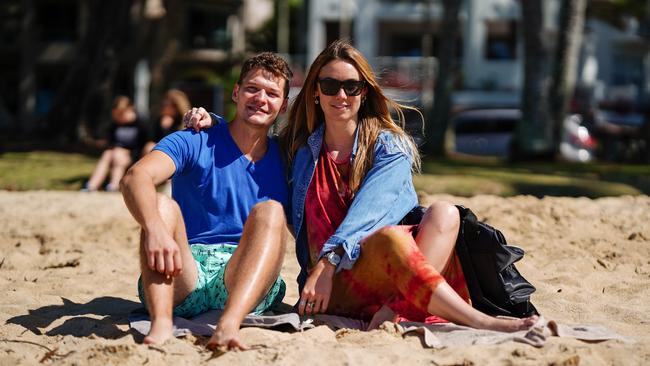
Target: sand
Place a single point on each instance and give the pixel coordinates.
(68, 268)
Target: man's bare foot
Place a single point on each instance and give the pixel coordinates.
(226, 337)
(161, 330)
(509, 325)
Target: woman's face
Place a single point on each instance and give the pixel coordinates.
(124, 116)
(167, 108)
(341, 106)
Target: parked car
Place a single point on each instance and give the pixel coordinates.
(490, 132)
(485, 132)
(622, 135)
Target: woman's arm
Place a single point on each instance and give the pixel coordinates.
(385, 196)
(200, 119)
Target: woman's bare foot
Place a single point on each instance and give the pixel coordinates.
(161, 330)
(508, 325)
(226, 337)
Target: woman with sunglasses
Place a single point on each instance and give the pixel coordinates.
(351, 167)
(351, 179)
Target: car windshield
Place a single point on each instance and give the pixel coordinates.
(629, 119)
(484, 125)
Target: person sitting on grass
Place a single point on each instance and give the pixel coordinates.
(125, 139)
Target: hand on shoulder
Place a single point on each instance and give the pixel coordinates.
(198, 119)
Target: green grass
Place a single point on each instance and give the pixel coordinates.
(470, 177)
(68, 171)
(20, 171)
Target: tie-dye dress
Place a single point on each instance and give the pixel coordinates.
(391, 269)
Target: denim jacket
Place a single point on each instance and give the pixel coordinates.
(385, 196)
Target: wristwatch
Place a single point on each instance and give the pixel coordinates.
(333, 258)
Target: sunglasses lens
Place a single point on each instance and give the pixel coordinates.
(352, 87)
(330, 86)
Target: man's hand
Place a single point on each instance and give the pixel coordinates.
(197, 119)
(315, 295)
(162, 253)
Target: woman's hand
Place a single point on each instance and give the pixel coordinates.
(197, 119)
(315, 295)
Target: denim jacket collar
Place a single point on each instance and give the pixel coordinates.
(316, 139)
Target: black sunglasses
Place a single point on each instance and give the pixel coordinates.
(351, 87)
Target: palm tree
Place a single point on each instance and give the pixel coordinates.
(436, 126)
(569, 40)
(91, 75)
(532, 137)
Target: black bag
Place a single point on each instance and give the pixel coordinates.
(495, 286)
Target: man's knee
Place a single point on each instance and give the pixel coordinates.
(270, 212)
(443, 217)
(168, 209)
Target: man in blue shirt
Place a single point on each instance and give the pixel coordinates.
(219, 244)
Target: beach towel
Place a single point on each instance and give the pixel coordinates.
(438, 335)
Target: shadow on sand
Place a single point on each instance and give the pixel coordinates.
(113, 310)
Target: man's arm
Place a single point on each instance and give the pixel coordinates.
(139, 191)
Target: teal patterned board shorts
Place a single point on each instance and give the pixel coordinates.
(210, 291)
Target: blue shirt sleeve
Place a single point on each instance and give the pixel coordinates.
(385, 196)
(183, 147)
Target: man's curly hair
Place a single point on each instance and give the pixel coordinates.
(270, 62)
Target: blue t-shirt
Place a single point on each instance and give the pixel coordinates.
(216, 186)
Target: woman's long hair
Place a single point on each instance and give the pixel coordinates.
(373, 118)
(181, 104)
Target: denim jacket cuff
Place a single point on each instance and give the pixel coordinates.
(350, 255)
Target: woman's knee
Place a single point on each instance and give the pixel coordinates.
(390, 238)
(121, 158)
(442, 217)
(107, 155)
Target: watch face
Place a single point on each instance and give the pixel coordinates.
(334, 258)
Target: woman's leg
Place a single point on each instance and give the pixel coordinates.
(391, 264)
(436, 238)
(437, 233)
(121, 161)
(101, 170)
(147, 148)
(446, 303)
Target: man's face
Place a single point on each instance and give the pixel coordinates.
(260, 98)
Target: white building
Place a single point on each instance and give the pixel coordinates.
(390, 34)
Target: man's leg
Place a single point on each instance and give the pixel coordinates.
(252, 270)
(162, 293)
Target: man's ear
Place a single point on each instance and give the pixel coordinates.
(285, 104)
(235, 93)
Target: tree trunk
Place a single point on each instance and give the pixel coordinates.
(94, 68)
(532, 137)
(27, 86)
(165, 46)
(437, 121)
(570, 30)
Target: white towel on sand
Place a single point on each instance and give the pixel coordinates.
(432, 335)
